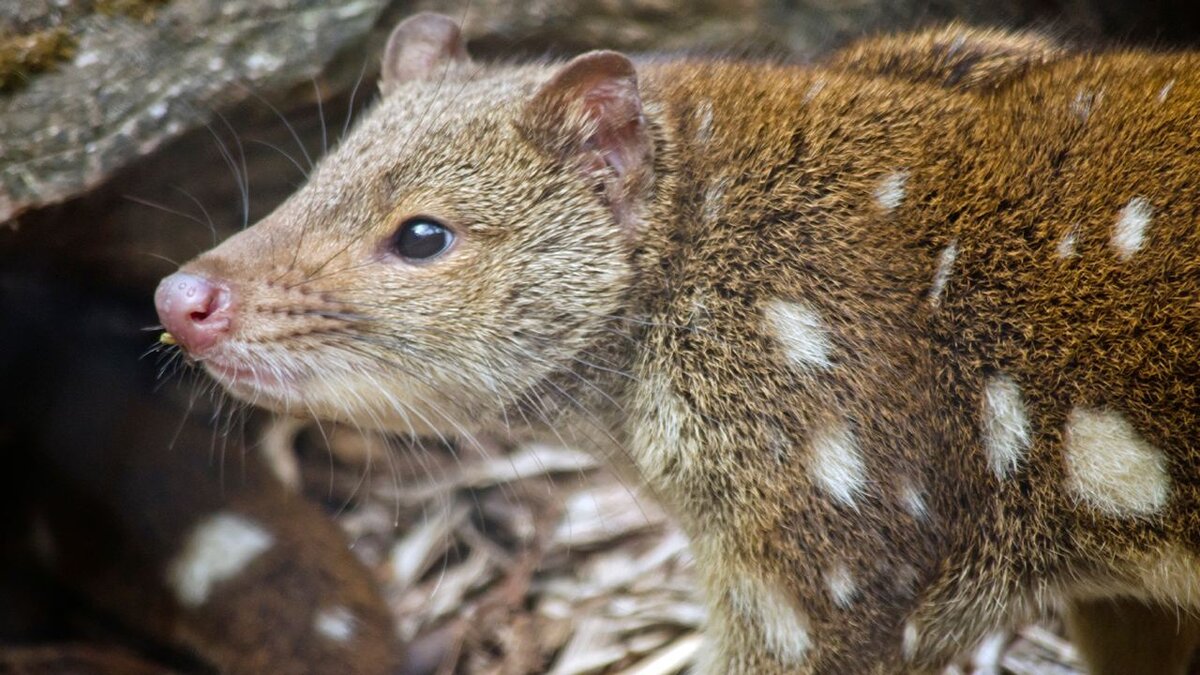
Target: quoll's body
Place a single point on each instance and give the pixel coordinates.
(909, 343)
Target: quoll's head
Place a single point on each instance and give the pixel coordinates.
(469, 238)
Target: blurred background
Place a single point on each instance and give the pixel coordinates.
(136, 133)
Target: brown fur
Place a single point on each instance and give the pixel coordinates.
(556, 317)
(953, 56)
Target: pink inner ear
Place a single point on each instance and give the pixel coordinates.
(620, 142)
(421, 46)
(617, 114)
(591, 112)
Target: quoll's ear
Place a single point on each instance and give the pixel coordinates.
(590, 113)
(421, 46)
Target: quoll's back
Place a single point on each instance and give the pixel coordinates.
(908, 342)
(940, 360)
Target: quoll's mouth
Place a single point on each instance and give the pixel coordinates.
(259, 379)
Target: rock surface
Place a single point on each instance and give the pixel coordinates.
(133, 74)
(132, 84)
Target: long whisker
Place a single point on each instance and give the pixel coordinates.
(343, 270)
(256, 141)
(291, 129)
(239, 181)
(353, 93)
(245, 172)
(159, 256)
(212, 227)
(321, 116)
(161, 207)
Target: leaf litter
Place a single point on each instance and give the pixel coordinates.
(502, 560)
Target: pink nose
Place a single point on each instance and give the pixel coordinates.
(196, 311)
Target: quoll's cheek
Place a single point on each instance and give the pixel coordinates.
(258, 384)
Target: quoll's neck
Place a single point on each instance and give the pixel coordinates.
(772, 184)
(782, 187)
(586, 405)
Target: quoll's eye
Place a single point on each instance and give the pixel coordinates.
(421, 238)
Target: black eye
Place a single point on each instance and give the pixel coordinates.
(421, 238)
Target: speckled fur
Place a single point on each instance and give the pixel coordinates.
(652, 347)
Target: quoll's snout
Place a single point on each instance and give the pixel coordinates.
(196, 311)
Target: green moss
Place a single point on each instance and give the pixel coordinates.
(24, 55)
(39, 47)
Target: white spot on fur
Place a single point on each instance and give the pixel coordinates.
(801, 332)
(700, 317)
(1006, 432)
(942, 274)
(1112, 467)
(890, 191)
(914, 501)
(219, 549)
(779, 443)
(337, 624)
(704, 121)
(841, 585)
(665, 400)
(666, 444)
(910, 640)
(785, 629)
(906, 580)
(1066, 245)
(714, 201)
(813, 90)
(1084, 102)
(1165, 91)
(835, 464)
(1130, 232)
(959, 42)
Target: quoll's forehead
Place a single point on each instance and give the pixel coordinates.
(420, 135)
(440, 116)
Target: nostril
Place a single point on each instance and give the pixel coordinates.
(206, 306)
(194, 310)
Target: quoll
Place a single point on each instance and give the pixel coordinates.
(908, 341)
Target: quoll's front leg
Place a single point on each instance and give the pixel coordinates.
(754, 635)
(757, 626)
(751, 634)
